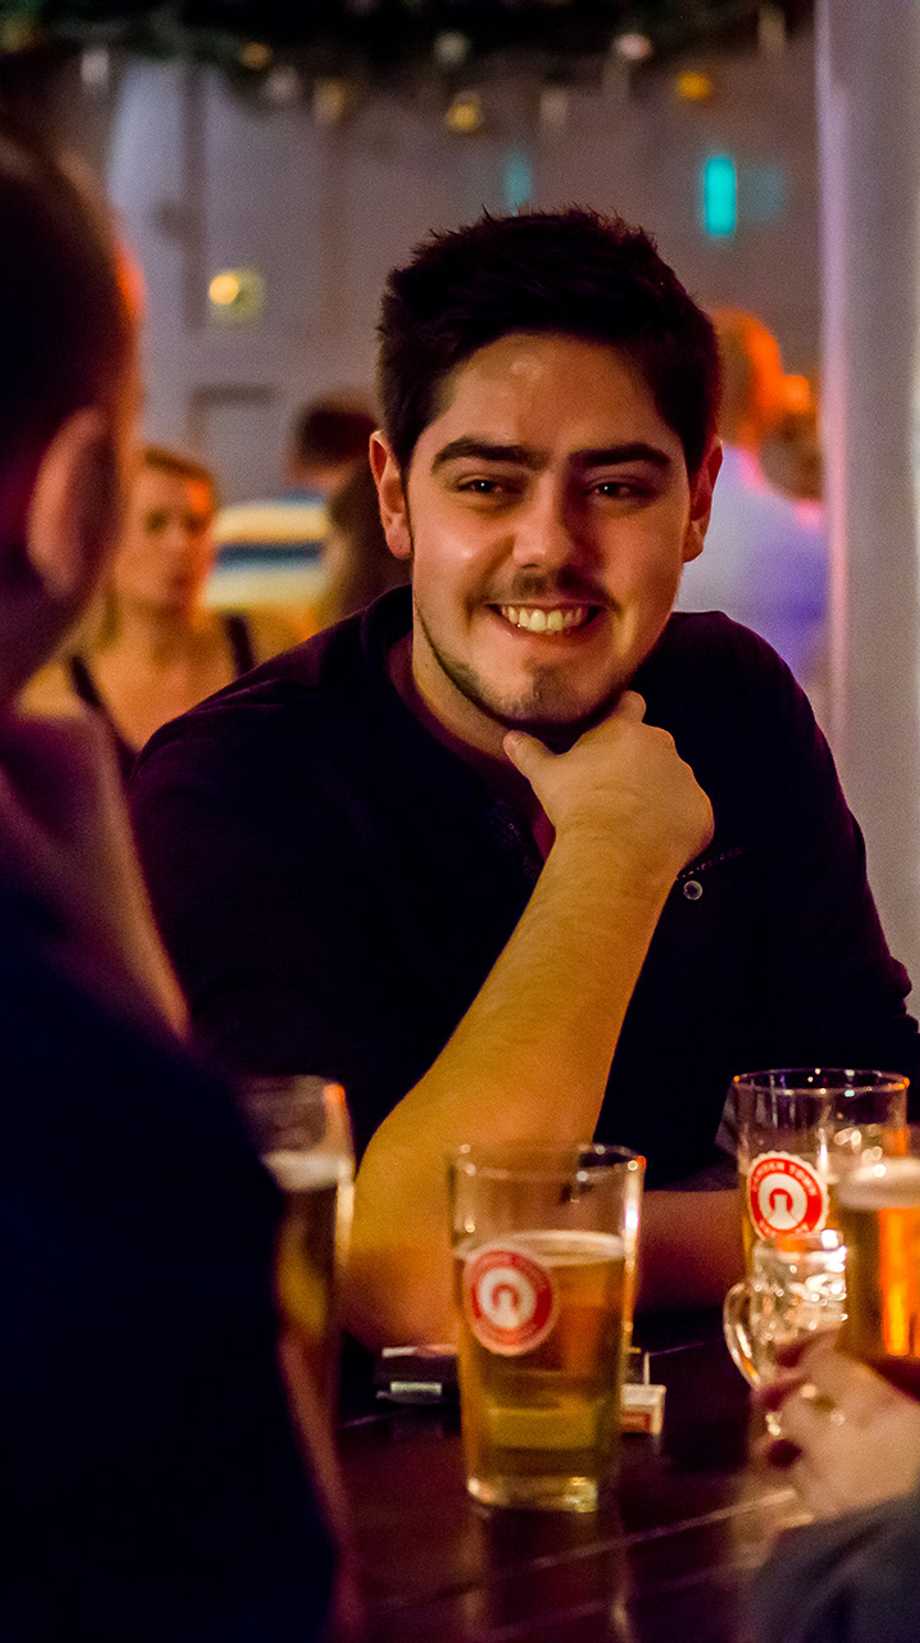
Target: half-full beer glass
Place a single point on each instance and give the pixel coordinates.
(301, 1129)
(545, 1241)
(880, 1212)
(799, 1132)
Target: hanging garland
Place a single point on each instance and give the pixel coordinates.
(380, 40)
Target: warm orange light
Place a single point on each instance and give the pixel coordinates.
(694, 86)
(466, 115)
(798, 395)
(224, 290)
(255, 55)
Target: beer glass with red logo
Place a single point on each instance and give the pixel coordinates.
(544, 1241)
(799, 1131)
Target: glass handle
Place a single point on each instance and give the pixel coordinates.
(737, 1329)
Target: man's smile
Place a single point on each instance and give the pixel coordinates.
(549, 621)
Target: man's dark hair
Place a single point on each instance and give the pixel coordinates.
(571, 272)
(328, 433)
(65, 322)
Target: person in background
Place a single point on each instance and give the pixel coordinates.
(766, 555)
(359, 565)
(158, 1479)
(271, 552)
(159, 651)
(851, 1445)
(502, 852)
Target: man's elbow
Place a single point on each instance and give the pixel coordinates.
(397, 1296)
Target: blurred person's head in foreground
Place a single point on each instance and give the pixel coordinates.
(165, 546)
(753, 382)
(358, 562)
(546, 464)
(328, 438)
(67, 334)
(148, 1505)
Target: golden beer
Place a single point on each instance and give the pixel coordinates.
(880, 1211)
(317, 1215)
(541, 1421)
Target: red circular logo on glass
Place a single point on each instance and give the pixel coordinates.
(785, 1194)
(510, 1299)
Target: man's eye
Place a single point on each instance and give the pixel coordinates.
(619, 490)
(481, 487)
(154, 521)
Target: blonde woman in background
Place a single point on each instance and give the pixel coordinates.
(158, 651)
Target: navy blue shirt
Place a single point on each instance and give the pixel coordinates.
(335, 885)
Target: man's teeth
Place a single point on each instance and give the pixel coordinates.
(545, 621)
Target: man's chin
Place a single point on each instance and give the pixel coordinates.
(558, 727)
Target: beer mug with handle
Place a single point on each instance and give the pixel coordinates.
(796, 1287)
(544, 1244)
(798, 1132)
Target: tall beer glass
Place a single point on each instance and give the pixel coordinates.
(799, 1131)
(300, 1127)
(545, 1241)
(880, 1212)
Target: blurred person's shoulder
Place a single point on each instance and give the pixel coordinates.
(290, 708)
(51, 691)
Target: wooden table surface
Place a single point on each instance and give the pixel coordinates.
(666, 1560)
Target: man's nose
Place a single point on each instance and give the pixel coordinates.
(546, 533)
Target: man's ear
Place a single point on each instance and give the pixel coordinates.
(394, 510)
(75, 510)
(701, 501)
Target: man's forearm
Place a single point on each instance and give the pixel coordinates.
(529, 1061)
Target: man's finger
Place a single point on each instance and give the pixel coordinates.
(528, 755)
(631, 706)
(790, 1354)
(774, 1394)
(856, 1389)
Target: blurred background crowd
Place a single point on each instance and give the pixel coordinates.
(264, 189)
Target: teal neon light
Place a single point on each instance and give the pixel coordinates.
(517, 180)
(719, 196)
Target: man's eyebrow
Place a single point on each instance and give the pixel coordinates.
(485, 450)
(636, 450)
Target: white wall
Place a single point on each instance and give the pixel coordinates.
(203, 181)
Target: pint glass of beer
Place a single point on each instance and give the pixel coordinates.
(300, 1127)
(545, 1242)
(799, 1131)
(880, 1212)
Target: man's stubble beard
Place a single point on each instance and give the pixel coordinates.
(543, 712)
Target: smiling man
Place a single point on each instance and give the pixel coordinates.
(521, 856)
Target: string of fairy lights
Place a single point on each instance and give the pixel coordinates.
(332, 53)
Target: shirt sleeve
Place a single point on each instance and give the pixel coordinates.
(851, 1580)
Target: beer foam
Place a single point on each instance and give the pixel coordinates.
(304, 1171)
(557, 1248)
(892, 1185)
